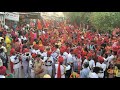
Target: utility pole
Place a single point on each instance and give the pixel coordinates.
(4, 19)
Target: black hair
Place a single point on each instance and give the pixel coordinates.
(42, 57)
(25, 41)
(37, 42)
(27, 54)
(71, 50)
(78, 44)
(38, 55)
(86, 64)
(0, 42)
(106, 55)
(1, 50)
(2, 39)
(57, 46)
(96, 69)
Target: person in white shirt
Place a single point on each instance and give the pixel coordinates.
(101, 64)
(19, 39)
(54, 55)
(109, 59)
(44, 54)
(6, 27)
(65, 56)
(95, 72)
(4, 54)
(77, 63)
(4, 48)
(60, 69)
(23, 38)
(91, 63)
(35, 49)
(70, 58)
(31, 68)
(17, 64)
(85, 61)
(25, 62)
(48, 64)
(1, 62)
(3, 57)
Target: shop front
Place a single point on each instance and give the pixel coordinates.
(11, 19)
(2, 18)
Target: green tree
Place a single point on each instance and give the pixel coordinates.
(101, 21)
(78, 17)
(105, 21)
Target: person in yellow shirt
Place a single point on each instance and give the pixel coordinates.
(40, 43)
(8, 42)
(116, 72)
(110, 72)
(74, 75)
(59, 43)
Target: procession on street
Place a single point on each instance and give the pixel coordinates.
(57, 49)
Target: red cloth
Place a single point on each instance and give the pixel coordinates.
(49, 53)
(34, 55)
(2, 70)
(84, 53)
(41, 48)
(46, 36)
(25, 50)
(17, 46)
(62, 50)
(75, 51)
(78, 56)
(39, 26)
(79, 67)
(21, 48)
(31, 37)
(46, 24)
(53, 48)
(64, 47)
(60, 60)
(89, 54)
(26, 35)
(115, 48)
(118, 52)
(12, 51)
(100, 59)
(36, 46)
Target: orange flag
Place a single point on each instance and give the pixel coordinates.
(39, 26)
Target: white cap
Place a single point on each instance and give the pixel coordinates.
(46, 76)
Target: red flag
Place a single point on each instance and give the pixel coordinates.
(46, 24)
(39, 26)
(31, 37)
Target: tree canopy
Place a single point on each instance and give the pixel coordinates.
(102, 21)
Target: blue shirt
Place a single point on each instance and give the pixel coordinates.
(1, 33)
(84, 73)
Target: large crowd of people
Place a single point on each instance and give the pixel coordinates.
(64, 51)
